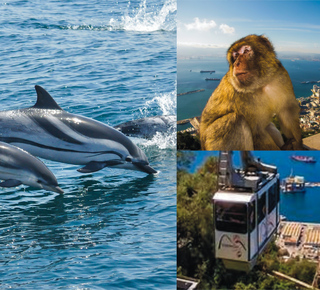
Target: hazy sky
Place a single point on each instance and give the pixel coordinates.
(290, 25)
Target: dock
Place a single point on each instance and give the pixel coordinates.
(194, 122)
(190, 92)
(212, 79)
(312, 184)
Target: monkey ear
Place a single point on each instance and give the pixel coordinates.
(266, 42)
(229, 58)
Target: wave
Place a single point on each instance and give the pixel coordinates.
(145, 18)
(166, 103)
(163, 141)
(162, 19)
(33, 23)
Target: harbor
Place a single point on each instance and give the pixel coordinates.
(194, 122)
(312, 184)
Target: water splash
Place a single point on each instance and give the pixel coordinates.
(163, 141)
(143, 20)
(166, 102)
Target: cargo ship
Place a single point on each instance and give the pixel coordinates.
(212, 79)
(306, 159)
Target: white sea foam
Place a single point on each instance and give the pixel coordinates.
(141, 19)
(166, 104)
(163, 140)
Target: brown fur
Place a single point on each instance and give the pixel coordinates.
(239, 112)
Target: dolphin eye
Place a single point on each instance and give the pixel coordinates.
(128, 159)
(39, 181)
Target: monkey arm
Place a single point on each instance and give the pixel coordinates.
(229, 132)
(275, 134)
(290, 125)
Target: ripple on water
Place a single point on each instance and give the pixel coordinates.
(113, 229)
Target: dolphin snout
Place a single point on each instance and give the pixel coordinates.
(54, 188)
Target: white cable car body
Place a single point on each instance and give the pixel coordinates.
(246, 211)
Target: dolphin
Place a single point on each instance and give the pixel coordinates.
(19, 167)
(148, 127)
(47, 131)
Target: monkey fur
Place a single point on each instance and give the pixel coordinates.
(238, 114)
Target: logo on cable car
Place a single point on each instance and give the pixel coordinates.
(235, 244)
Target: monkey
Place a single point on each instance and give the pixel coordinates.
(238, 115)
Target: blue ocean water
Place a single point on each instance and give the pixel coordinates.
(189, 78)
(302, 207)
(113, 61)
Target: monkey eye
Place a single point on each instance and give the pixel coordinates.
(247, 49)
(235, 54)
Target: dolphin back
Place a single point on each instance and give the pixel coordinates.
(19, 167)
(148, 127)
(47, 131)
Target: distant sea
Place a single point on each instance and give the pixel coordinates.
(113, 61)
(189, 78)
(295, 206)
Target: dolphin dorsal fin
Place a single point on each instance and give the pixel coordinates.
(44, 100)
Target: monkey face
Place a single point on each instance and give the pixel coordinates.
(243, 65)
(252, 61)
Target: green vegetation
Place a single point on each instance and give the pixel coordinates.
(195, 244)
(194, 219)
(186, 141)
(310, 132)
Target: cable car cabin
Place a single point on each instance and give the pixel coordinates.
(246, 218)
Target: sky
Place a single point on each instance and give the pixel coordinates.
(292, 26)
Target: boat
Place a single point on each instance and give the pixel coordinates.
(283, 218)
(306, 159)
(309, 82)
(293, 184)
(212, 79)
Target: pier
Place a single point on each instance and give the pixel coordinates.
(312, 184)
(212, 79)
(194, 122)
(191, 92)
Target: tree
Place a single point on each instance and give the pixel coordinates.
(185, 141)
(195, 238)
(184, 159)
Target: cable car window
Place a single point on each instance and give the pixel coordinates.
(278, 190)
(261, 207)
(273, 198)
(231, 217)
(252, 215)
